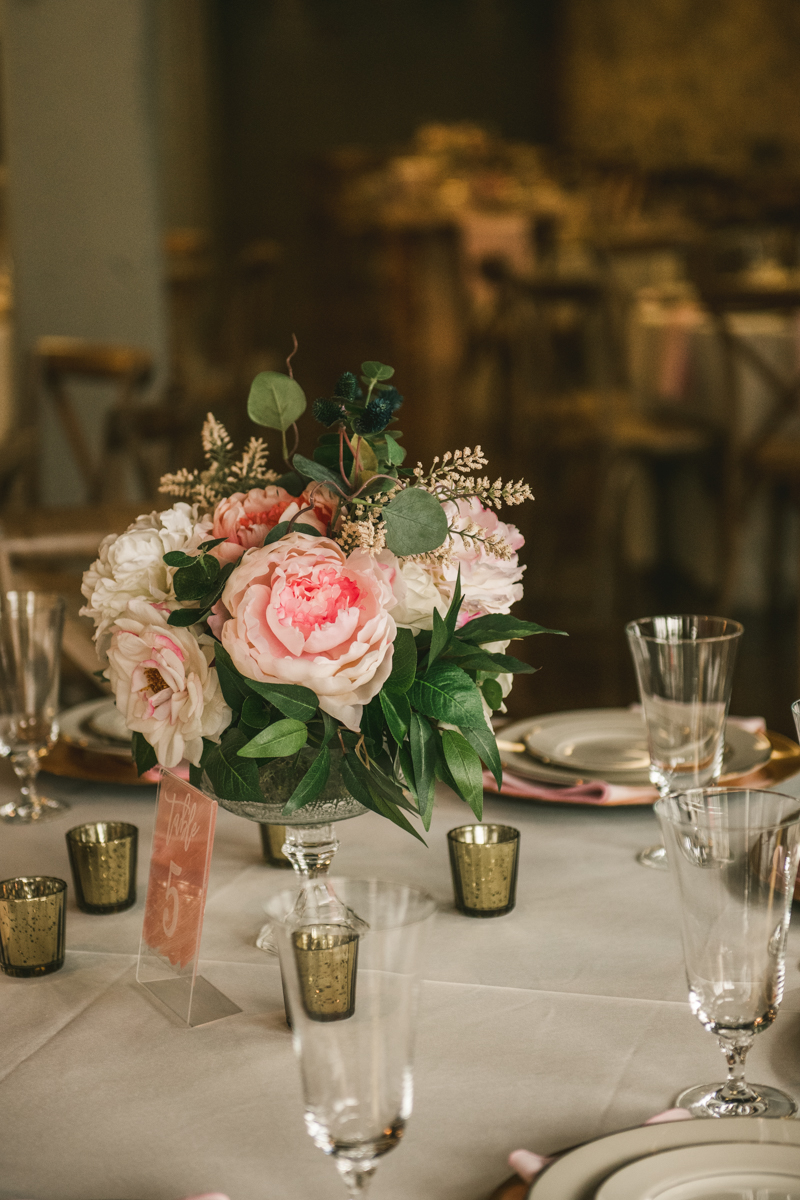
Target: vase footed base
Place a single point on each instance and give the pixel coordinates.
(708, 1100)
(21, 812)
(655, 857)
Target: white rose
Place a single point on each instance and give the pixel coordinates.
(488, 584)
(164, 685)
(130, 565)
(416, 592)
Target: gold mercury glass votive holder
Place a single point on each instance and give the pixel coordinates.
(103, 861)
(483, 860)
(272, 839)
(33, 922)
(326, 957)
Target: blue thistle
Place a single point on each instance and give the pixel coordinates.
(347, 387)
(379, 412)
(328, 411)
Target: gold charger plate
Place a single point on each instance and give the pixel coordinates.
(75, 762)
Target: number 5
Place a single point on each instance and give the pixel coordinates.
(172, 894)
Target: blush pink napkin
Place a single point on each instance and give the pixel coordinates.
(527, 1164)
(596, 791)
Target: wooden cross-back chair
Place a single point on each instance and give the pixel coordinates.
(60, 361)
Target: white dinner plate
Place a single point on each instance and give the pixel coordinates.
(579, 1173)
(712, 1172)
(92, 726)
(593, 739)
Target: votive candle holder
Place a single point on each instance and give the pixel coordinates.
(327, 958)
(103, 860)
(483, 861)
(272, 839)
(32, 925)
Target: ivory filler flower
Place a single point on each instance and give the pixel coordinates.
(164, 684)
(245, 518)
(130, 565)
(300, 611)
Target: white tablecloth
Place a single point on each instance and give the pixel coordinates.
(561, 1021)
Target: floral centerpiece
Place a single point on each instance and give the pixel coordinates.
(350, 605)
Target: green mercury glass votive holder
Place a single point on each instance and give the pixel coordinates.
(103, 861)
(483, 860)
(272, 839)
(33, 922)
(327, 957)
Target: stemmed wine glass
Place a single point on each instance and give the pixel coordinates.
(31, 625)
(351, 995)
(684, 669)
(733, 854)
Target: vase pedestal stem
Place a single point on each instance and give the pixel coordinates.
(310, 849)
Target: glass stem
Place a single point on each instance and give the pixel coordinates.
(310, 849)
(735, 1087)
(26, 768)
(357, 1176)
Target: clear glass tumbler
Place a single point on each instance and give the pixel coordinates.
(733, 853)
(31, 625)
(684, 669)
(351, 993)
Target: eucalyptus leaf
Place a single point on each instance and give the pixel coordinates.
(316, 471)
(376, 370)
(446, 693)
(177, 558)
(394, 451)
(311, 784)
(364, 455)
(465, 767)
(415, 522)
(289, 698)
(283, 527)
(291, 482)
(275, 400)
(278, 740)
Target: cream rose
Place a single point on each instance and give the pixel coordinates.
(301, 612)
(245, 518)
(131, 565)
(488, 584)
(164, 685)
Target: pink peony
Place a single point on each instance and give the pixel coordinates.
(245, 518)
(164, 685)
(301, 612)
(489, 584)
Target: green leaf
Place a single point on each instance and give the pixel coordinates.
(482, 740)
(446, 693)
(311, 784)
(394, 451)
(473, 658)
(284, 527)
(422, 741)
(277, 741)
(492, 693)
(289, 698)
(440, 637)
(191, 583)
(404, 662)
(315, 470)
(415, 522)
(357, 778)
(397, 711)
(275, 400)
(291, 482)
(372, 721)
(233, 685)
(451, 616)
(465, 767)
(406, 768)
(367, 461)
(330, 725)
(496, 627)
(385, 784)
(177, 558)
(196, 773)
(255, 712)
(143, 753)
(211, 543)
(182, 618)
(232, 777)
(376, 370)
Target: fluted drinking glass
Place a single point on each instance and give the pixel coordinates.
(684, 670)
(31, 624)
(351, 994)
(733, 854)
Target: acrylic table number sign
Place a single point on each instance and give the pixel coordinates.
(176, 897)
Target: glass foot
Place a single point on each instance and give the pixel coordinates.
(709, 1100)
(265, 941)
(21, 812)
(655, 857)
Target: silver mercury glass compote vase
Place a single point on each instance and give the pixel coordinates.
(310, 838)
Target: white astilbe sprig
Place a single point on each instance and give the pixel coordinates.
(452, 478)
(225, 474)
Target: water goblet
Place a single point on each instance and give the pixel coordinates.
(684, 670)
(31, 624)
(733, 854)
(351, 995)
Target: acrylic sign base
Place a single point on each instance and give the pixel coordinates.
(176, 898)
